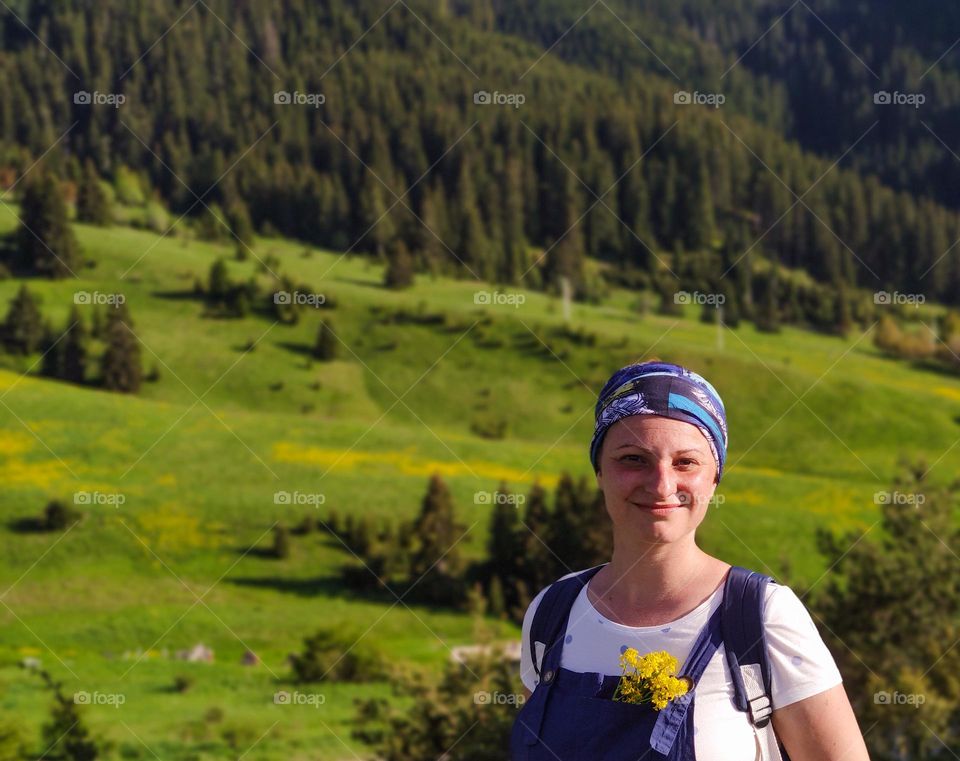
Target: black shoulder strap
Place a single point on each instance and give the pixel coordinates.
(745, 642)
(550, 618)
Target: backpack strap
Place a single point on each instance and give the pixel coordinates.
(550, 618)
(745, 643)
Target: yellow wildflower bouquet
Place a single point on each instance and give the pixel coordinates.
(650, 678)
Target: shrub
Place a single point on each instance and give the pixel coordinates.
(337, 656)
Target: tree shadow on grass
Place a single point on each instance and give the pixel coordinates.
(318, 586)
(28, 525)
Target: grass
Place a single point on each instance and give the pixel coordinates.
(366, 430)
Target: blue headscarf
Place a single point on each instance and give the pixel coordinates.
(661, 388)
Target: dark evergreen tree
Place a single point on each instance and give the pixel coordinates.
(238, 217)
(399, 273)
(51, 365)
(514, 246)
(435, 564)
(218, 284)
(504, 551)
(768, 311)
(75, 349)
(120, 368)
(92, 205)
(537, 564)
(45, 241)
(66, 736)
(23, 326)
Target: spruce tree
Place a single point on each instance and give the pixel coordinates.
(45, 241)
(537, 565)
(23, 329)
(65, 735)
(120, 368)
(565, 257)
(92, 205)
(430, 242)
(377, 222)
(52, 345)
(218, 284)
(238, 217)
(768, 311)
(399, 272)
(75, 350)
(512, 261)
(699, 224)
(435, 562)
(504, 551)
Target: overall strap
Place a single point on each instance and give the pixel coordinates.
(550, 618)
(745, 643)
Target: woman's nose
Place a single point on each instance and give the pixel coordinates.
(663, 480)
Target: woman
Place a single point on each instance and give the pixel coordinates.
(658, 452)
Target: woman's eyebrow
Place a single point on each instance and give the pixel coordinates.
(644, 449)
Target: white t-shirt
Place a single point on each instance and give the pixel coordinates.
(800, 663)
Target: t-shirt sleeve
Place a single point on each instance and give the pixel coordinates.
(800, 663)
(528, 674)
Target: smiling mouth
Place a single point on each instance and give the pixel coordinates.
(656, 507)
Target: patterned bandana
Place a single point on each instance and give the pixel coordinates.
(660, 388)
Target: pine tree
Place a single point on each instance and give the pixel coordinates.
(504, 551)
(513, 256)
(65, 735)
(635, 205)
(699, 227)
(538, 564)
(46, 243)
(768, 311)
(92, 205)
(399, 272)
(52, 345)
(378, 223)
(120, 368)
(666, 206)
(238, 217)
(472, 246)
(498, 602)
(75, 350)
(433, 251)
(435, 562)
(565, 257)
(211, 224)
(325, 347)
(602, 228)
(218, 284)
(23, 327)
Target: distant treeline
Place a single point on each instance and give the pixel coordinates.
(587, 166)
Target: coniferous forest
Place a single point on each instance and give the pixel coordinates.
(799, 167)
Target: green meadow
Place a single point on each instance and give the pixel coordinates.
(817, 426)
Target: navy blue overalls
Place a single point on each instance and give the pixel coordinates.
(571, 716)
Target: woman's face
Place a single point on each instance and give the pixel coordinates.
(657, 476)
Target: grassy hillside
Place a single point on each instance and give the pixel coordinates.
(199, 478)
